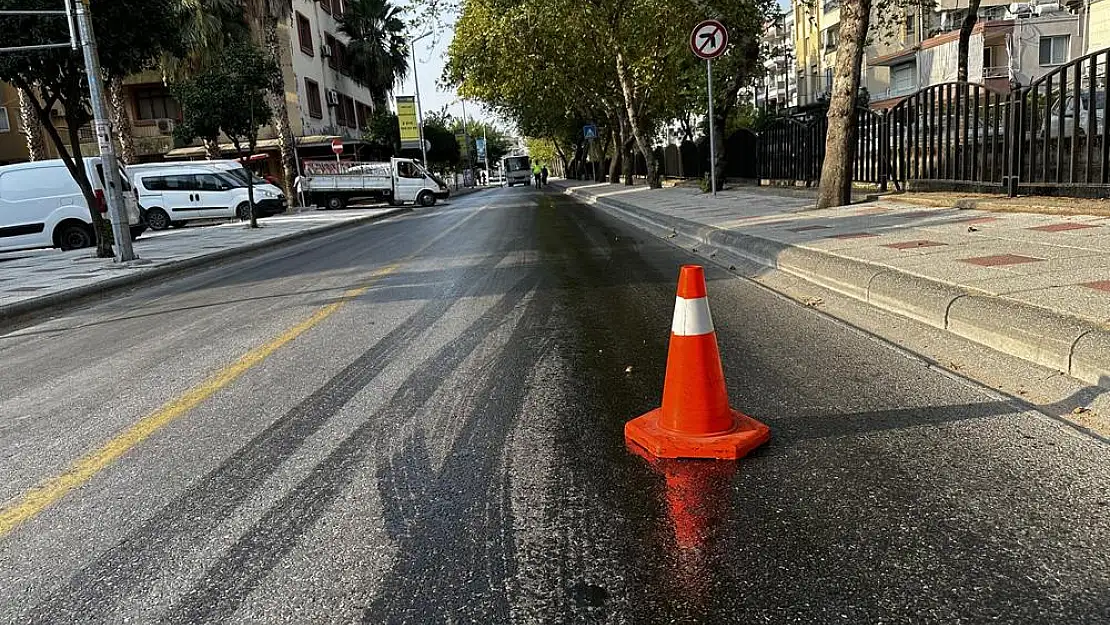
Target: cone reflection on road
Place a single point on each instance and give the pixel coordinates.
(695, 420)
(697, 500)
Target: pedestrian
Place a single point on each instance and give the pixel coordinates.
(543, 175)
(536, 173)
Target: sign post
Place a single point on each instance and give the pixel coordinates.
(708, 41)
(337, 147)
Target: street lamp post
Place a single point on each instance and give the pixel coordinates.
(419, 109)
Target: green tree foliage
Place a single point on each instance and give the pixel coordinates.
(131, 34)
(230, 98)
(445, 153)
(377, 51)
(383, 134)
(552, 66)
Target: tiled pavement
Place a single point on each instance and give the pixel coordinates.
(1053, 262)
(42, 274)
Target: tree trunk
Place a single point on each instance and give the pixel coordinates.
(628, 165)
(71, 157)
(654, 180)
(836, 174)
(615, 164)
(121, 121)
(718, 163)
(279, 106)
(32, 127)
(965, 39)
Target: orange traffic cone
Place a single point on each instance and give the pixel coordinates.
(695, 420)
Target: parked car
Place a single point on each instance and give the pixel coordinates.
(175, 193)
(1085, 110)
(42, 206)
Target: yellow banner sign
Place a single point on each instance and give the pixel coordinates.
(406, 117)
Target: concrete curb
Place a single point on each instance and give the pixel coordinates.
(14, 314)
(1073, 346)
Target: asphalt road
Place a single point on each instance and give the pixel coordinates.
(420, 421)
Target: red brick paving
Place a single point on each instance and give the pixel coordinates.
(909, 245)
(1068, 225)
(1101, 285)
(1000, 260)
(854, 235)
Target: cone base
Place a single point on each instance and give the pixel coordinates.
(646, 432)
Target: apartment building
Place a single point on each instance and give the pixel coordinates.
(778, 87)
(13, 145)
(323, 101)
(1012, 45)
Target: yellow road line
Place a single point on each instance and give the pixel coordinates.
(40, 497)
(37, 499)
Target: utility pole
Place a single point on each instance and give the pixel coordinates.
(466, 133)
(485, 152)
(113, 191)
(419, 109)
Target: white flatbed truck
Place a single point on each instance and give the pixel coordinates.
(333, 184)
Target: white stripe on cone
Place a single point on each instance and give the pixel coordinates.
(691, 317)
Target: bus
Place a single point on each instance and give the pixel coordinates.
(516, 170)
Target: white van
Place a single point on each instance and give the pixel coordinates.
(174, 193)
(42, 206)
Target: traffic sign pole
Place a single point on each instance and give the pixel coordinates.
(708, 41)
(712, 132)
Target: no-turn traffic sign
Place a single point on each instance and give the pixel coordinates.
(337, 146)
(709, 39)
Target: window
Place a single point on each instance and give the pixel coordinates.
(911, 27)
(360, 114)
(339, 7)
(340, 112)
(347, 103)
(312, 94)
(181, 182)
(326, 6)
(988, 57)
(341, 57)
(155, 103)
(406, 169)
(5, 123)
(331, 42)
(304, 34)
(903, 78)
(1054, 50)
(211, 182)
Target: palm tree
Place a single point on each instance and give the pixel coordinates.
(377, 52)
(265, 15)
(32, 128)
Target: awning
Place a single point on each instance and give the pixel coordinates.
(264, 145)
(894, 58)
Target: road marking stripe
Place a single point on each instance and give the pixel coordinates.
(38, 498)
(691, 317)
(34, 501)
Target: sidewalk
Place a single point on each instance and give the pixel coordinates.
(1031, 285)
(37, 279)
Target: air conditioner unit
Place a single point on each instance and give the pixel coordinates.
(1051, 7)
(326, 51)
(165, 126)
(333, 97)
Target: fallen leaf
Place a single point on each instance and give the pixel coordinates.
(972, 229)
(732, 267)
(813, 301)
(628, 369)
(1080, 410)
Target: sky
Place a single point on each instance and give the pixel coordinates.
(431, 57)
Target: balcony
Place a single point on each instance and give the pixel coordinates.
(1001, 71)
(151, 136)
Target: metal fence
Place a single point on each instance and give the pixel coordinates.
(1049, 137)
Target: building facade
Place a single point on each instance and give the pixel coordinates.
(323, 101)
(778, 88)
